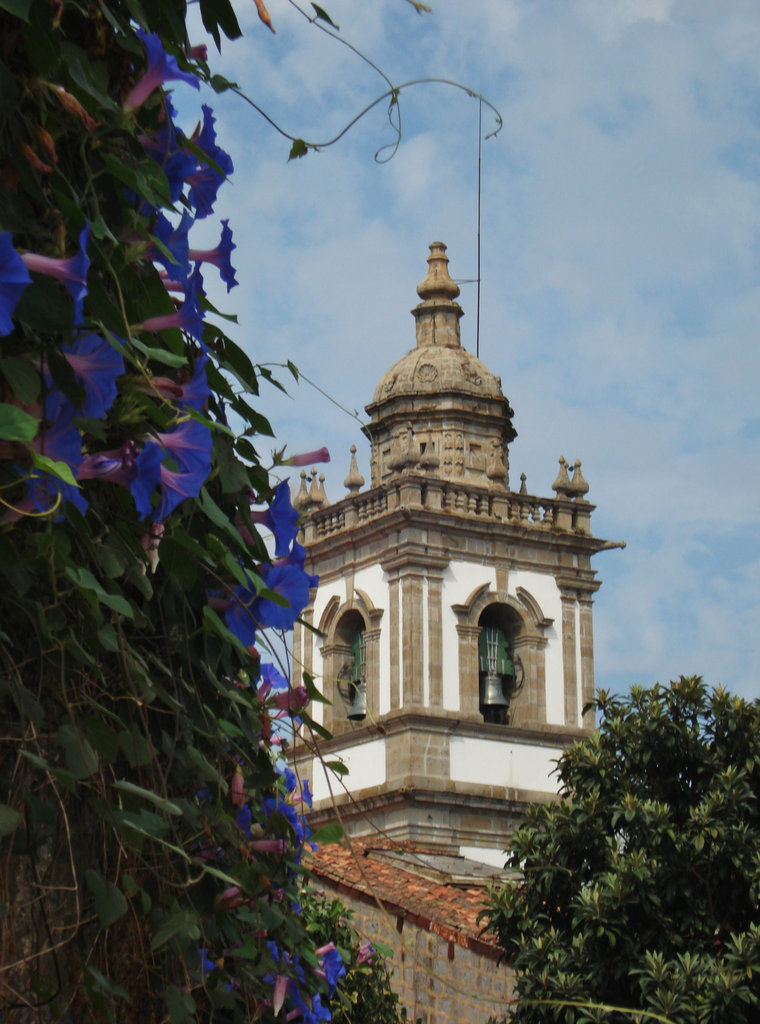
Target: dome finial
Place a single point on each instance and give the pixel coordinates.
(438, 283)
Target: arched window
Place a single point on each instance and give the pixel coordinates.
(350, 646)
(500, 671)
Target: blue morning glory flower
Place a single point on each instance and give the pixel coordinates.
(14, 278)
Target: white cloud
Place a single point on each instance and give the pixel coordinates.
(621, 269)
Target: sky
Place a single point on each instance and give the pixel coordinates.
(620, 269)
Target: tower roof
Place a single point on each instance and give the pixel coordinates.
(438, 363)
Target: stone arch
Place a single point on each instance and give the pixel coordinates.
(524, 623)
(339, 623)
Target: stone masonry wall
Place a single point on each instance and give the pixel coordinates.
(438, 982)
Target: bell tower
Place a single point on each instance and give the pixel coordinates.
(452, 627)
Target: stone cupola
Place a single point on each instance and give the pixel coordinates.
(439, 410)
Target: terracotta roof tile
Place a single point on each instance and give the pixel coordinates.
(387, 873)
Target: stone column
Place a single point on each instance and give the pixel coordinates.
(411, 596)
(568, 656)
(395, 626)
(435, 640)
(587, 658)
(468, 670)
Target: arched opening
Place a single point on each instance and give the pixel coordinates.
(500, 670)
(350, 651)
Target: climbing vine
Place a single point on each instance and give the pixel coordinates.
(150, 837)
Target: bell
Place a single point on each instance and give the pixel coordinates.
(358, 709)
(492, 692)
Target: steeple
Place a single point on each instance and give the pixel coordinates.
(438, 315)
(439, 409)
(457, 609)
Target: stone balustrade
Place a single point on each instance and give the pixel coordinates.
(560, 514)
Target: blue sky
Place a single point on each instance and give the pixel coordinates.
(620, 295)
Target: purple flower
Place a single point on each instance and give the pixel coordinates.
(243, 820)
(175, 487)
(190, 444)
(96, 365)
(281, 518)
(188, 317)
(271, 678)
(334, 968)
(206, 181)
(166, 148)
(162, 67)
(289, 582)
(145, 477)
(239, 618)
(59, 440)
(196, 392)
(219, 257)
(297, 557)
(117, 465)
(72, 271)
(14, 278)
(193, 394)
(175, 240)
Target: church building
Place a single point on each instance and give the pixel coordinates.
(451, 631)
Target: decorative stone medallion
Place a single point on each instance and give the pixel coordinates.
(427, 373)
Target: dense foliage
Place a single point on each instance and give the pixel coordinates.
(365, 995)
(150, 838)
(641, 884)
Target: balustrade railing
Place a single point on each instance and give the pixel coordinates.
(457, 498)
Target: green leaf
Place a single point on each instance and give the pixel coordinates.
(110, 902)
(159, 355)
(145, 822)
(16, 425)
(182, 925)
(60, 470)
(45, 306)
(181, 1006)
(90, 76)
(23, 378)
(18, 8)
(102, 737)
(124, 786)
(322, 13)
(298, 149)
(328, 834)
(135, 746)
(314, 693)
(85, 579)
(9, 820)
(81, 759)
(336, 766)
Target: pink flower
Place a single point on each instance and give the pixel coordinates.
(150, 542)
(307, 458)
(292, 699)
(237, 793)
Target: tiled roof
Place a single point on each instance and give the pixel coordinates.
(399, 877)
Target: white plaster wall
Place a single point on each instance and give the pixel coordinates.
(485, 854)
(544, 589)
(366, 767)
(459, 581)
(499, 763)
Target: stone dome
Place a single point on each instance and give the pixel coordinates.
(432, 370)
(438, 364)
